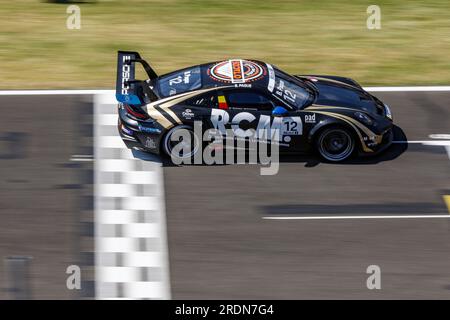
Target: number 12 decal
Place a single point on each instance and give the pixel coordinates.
(292, 126)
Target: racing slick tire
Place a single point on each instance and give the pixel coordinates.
(192, 147)
(335, 143)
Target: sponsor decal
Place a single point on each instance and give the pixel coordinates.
(284, 92)
(242, 85)
(125, 74)
(149, 130)
(291, 126)
(310, 118)
(267, 127)
(237, 71)
(181, 79)
(187, 114)
(124, 91)
(150, 143)
(254, 149)
(126, 70)
(271, 84)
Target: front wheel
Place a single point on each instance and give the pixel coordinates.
(335, 144)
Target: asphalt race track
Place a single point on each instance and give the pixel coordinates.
(221, 244)
(220, 247)
(46, 197)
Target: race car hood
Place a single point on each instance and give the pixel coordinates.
(334, 93)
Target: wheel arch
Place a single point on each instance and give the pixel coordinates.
(327, 123)
(166, 132)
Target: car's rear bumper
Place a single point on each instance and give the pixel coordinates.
(134, 136)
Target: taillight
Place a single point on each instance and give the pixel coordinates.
(135, 113)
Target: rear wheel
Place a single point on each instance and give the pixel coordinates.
(180, 143)
(335, 144)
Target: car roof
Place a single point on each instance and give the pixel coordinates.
(239, 72)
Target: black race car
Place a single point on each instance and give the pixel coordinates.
(330, 114)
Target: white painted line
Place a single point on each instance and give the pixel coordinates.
(140, 203)
(82, 156)
(138, 290)
(437, 143)
(143, 259)
(110, 99)
(117, 274)
(439, 136)
(111, 141)
(117, 216)
(164, 285)
(127, 154)
(108, 95)
(443, 216)
(141, 230)
(116, 165)
(116, 190)
(81, 159)
(114, 244)
(108, 120)
(427, 142)
(408, 89)
(52, 92)
(130, 205)
(139, 177)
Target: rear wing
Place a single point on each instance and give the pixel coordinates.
(128, 89)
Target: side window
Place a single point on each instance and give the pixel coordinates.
(180, 81)
(208, 100)
(248, 100)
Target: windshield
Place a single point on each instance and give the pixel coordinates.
(180, 81)
(291, 92)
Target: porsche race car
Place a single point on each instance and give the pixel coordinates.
(331, 115)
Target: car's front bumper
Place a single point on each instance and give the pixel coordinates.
(386, 142)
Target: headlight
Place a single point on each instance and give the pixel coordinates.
(388, 111)
(364, 118)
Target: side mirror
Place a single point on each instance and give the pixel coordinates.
(279, 112)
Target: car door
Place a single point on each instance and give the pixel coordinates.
(246, 109)
(254, 109)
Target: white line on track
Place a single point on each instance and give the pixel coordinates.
(438, 142)
(82, 157)
(51, 92)
(427, 142)
(111, 92)
(442, 216)
(408, 89)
